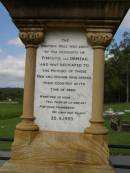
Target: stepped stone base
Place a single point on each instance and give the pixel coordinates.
(16, 167)
(58, 152)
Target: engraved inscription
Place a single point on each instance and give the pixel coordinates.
(63, 91)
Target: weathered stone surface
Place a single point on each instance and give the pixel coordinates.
(53, 152)
(90, 12)
(90, 9)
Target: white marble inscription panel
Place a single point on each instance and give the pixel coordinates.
(63, 91)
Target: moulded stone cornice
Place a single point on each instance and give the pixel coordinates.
(37, 13)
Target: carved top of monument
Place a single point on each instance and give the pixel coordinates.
(95, 12)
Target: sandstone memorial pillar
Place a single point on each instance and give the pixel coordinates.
(31, 39)
(99, 39)
(62, 128)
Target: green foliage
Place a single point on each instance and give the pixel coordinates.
(15, 94)
(117, 73)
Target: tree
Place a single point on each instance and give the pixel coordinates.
(125, 46)
(117, 71)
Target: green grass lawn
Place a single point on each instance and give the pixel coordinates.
(115, 137)
(10, 116)
(9, 110)
(7, 130)
(117, 106)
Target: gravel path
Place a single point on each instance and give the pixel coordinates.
(123, 160)
(4, 154)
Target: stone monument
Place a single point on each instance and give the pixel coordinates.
(62, 127)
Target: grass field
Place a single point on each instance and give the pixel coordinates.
(118, 137)
(10, 116)
(9, 110)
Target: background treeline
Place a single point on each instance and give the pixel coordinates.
(15, 94)
(117, 70)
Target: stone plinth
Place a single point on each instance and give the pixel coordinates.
(59, 152)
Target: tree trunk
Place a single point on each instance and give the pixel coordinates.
(127, 86)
